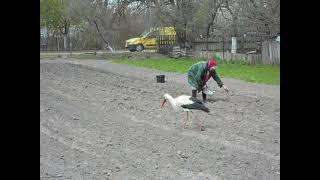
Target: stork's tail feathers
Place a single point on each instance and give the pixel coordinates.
(204, 108)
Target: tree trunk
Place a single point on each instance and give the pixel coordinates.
(180, 35)
(104, 40)
(223, 47)
(235, 27)
(58, 44)
(207, 37)
(70, 45)
(65, 42)
(210, 24)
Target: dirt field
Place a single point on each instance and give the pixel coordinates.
(100, 120)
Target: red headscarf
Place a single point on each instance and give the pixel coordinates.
(211, 63)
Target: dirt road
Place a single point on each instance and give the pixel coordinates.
(100, 120)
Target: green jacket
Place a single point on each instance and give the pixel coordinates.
(197, 75)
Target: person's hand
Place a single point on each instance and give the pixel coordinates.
(225, 88)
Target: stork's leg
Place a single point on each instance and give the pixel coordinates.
(185, 122)
(200, 124)
(204, 97)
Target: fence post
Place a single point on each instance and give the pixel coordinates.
(58, 45)
(70, 45)
(223, 47)
(270, 53)
(264, 52)
(185, 35)
(243, 43)
(95, 49)
(233, 45)
(207, 45)
(260, 43)
(157, 43)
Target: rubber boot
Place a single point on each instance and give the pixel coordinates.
(204, 97)
(194, 93)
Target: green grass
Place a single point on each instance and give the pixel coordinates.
(47, 56)
(264, 74)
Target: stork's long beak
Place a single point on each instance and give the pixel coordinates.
(163, 102)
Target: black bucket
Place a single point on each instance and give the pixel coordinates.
(160, 78)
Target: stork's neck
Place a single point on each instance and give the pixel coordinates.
(171, 100)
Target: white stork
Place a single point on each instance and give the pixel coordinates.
(185, 103)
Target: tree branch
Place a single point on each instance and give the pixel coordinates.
(224, 15)
(213, 16)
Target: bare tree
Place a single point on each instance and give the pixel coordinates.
(265, 15)
(176, 13)
(108, 17)
(115, 21)
(214, 7)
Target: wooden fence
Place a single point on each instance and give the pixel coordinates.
(266, 51)
(214, 43)
(246, 58)
(166, 43)
(271, 52)
(56, 44)
(223, 43)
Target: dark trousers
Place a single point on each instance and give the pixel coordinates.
(204, 96)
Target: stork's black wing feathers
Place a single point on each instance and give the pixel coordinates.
(196, 106)
(194, 99)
